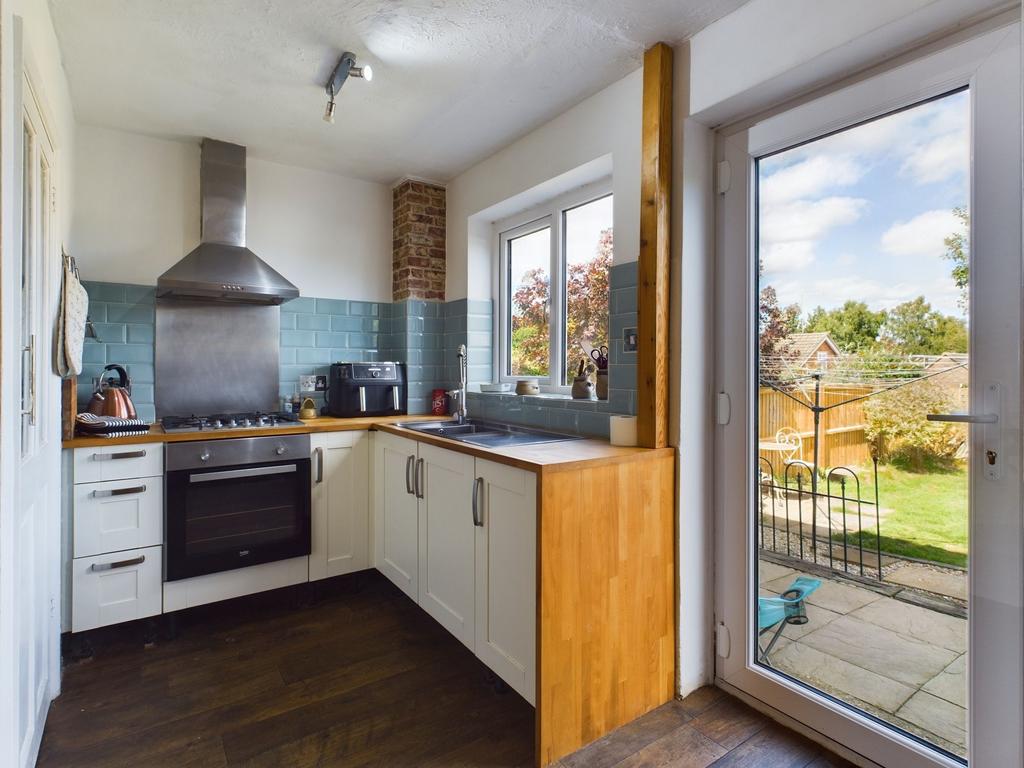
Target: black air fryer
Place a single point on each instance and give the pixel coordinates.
(366, 389)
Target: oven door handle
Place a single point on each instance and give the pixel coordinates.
(231, 474)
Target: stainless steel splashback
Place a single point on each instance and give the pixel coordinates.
(216, 358)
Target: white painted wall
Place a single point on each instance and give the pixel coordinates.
(607, 123)
(139, 214)
(771, 50)
(29, 544)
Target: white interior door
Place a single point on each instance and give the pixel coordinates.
(837, 682)
(30, 527)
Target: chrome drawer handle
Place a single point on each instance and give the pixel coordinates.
(112, 456)
(119, 491)
(478, 519)
(319, 465)
(408, 474)
(234, 474)
(119, 564)
(420, 491)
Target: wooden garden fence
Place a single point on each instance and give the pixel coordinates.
(843, 442)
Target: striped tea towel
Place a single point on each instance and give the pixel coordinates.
(109, 426)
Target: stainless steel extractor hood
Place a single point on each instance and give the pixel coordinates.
(221, 268)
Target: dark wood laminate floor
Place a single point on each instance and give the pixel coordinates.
(357, 677)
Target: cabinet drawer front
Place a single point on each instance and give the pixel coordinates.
(109, 589)
(116, 515)
(118, 462)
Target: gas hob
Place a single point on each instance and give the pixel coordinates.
(216, 422)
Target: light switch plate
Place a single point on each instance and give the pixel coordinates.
(630, 340)
(307, 383)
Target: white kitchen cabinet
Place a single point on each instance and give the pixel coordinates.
(117, 515)
(396, 525)
(341, 504)
(116, 587)
(447, 540)
(118, 462)
(506, 574)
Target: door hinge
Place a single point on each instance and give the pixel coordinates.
(53, 199)
(723, 177)
(722, 643)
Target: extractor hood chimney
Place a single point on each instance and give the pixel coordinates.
(221, 268)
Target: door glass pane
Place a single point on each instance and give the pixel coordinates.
(529, 303)
(588, 259)
(862, 505)
(28, 249)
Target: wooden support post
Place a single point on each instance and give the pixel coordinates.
(655, 245)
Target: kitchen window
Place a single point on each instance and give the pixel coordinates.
(553, 293)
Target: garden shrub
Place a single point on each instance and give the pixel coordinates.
(898, 429)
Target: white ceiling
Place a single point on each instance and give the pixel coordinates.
(454, 80)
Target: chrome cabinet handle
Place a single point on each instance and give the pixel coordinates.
(408, 474)
(119, 564)
(119, 491)
(478, 519)
(113, 456)
(419, 479)
(362, 399)
(319, 465)
(396, 404)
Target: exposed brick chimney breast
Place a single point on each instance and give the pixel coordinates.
(418, 253)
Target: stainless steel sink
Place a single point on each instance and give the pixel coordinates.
(486, 434)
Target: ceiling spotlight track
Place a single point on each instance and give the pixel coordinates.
(346, 67)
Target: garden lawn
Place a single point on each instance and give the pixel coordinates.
(927, 516)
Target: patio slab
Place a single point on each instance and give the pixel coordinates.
(951, 683)
(951, 584)
(840, 678)
(871, 647)
(919, 623)
(840, 598)
(936, 716)
(767, 571)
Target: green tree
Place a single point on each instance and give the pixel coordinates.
(958, 252)
(914, 328)
(852, 326)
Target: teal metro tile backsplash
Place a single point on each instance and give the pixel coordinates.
(425, 335)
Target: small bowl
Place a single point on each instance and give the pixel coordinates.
(497, 387)
(527, 387)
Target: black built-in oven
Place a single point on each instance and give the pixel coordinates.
(234, 503)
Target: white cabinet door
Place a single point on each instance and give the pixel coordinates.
(119, 514)
(446, 570)
(341, 504)
(506, 575)
(395, 527)
(119, 462)
(108, 589)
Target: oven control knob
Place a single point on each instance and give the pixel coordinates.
(280, 450)
(205, 455)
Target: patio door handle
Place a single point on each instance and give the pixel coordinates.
(991, 436)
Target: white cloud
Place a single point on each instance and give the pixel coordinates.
(830, 293)
(787, 257)
(808, 219)
(810, 178)
(938, 159)
(923, 235)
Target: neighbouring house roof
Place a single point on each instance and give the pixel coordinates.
(806, 345)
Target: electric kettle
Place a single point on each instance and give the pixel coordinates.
(113, 397)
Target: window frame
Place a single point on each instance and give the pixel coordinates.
(548, 214)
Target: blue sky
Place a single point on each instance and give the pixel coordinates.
(862, 214)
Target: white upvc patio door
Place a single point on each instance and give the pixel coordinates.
(984, 69)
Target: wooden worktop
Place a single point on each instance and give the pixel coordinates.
(540, 457)
(546, 457)
(156, 433)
